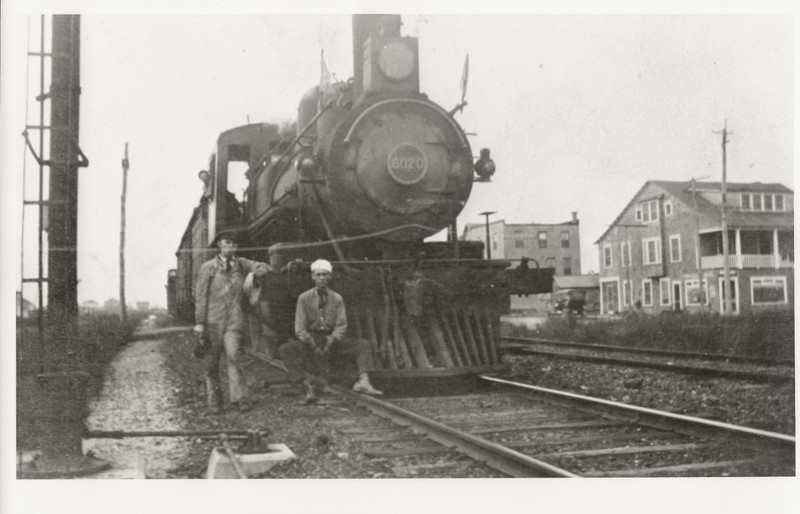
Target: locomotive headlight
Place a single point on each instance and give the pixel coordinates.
(485, 167)
(396, 61)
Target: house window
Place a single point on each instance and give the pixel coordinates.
(565, 239)
(625, 252)
(550, 262)
(762, 201)
(626, 292)
(519, 241)
(494, 242)
(542, 239)
(650, 211)
(668, 208)
(768, 290)
(675, 248)
(647, 292)
(639, 214)
(663, 286)
(567, 263)
(694, 296)
(607, 256)
(651, 249)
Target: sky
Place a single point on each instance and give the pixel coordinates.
(578, 110)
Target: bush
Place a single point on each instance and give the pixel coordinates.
(765, 334)
(100, 337)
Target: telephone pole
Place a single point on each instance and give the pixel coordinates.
(726, 292)
(123, 312)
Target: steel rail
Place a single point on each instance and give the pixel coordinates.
(678, 368)
(652, 351)
(653, 414)
(501, 458)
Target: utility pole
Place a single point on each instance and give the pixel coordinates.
(698, 254)
(726, 293)
(123, 312)
(488, 245)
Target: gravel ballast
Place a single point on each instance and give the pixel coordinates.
(158, 385)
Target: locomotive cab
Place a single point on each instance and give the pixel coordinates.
(237, 151)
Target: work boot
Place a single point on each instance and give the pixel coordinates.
(244, 406)
(363, 386)
(311, 394)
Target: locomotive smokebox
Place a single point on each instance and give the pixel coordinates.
(398, 167)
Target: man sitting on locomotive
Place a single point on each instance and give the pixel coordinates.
(222, 283)
(320, 326)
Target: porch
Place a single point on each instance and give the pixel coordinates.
(748, 249)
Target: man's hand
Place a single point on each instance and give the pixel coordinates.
(248, 283)
(199, 328)
(329, 342)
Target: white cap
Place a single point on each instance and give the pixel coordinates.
(322, 264)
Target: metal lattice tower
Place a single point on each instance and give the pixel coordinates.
(58, 213)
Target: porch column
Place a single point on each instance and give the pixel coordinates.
(739, 262)
(775, 251)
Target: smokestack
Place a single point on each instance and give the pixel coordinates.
(575, 216)
(364, 26)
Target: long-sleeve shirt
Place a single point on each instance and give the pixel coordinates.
(219, 297)
(309, 318)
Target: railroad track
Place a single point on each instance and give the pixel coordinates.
(718, 366)
(652, 351)
(521, 430)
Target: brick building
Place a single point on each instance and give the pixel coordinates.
(650, 258)
(551, 245)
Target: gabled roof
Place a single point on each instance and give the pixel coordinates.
(623, 211)
(682, 191)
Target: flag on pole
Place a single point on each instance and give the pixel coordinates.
(324, 76)
(464, 79)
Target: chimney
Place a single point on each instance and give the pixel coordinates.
(575, 216)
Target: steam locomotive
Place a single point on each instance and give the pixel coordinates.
(369, 170)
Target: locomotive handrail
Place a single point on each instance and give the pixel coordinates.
(289, 147)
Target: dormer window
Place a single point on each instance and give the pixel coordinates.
(762, 202)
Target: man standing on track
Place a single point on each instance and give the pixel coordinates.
(222, 284)
(320, 325)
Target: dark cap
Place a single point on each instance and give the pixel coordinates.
(235, 234)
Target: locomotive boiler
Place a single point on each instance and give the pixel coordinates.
(369, 170)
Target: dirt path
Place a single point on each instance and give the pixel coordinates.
(137, 395)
